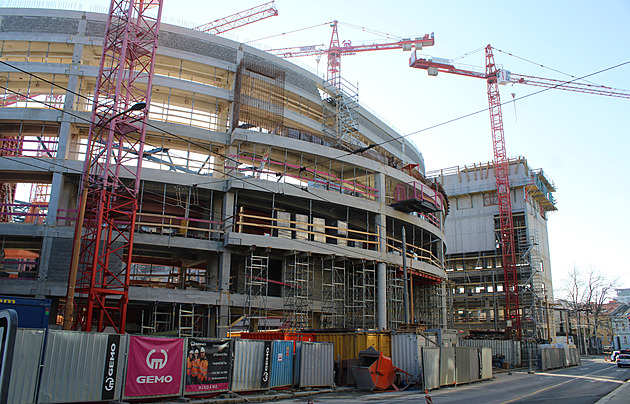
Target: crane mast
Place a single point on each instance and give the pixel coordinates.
(502, 174)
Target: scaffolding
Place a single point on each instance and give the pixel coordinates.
(190, 316)
(256, 288)
(533, 289)
(333, 292)
(429, 304)
(340, 113)
(361, 295)
(395, 298)
(298, 296)
(160, 320)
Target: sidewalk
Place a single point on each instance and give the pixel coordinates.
(618, 396)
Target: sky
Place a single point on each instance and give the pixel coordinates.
(580, 140)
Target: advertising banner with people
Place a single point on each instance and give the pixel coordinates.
(154, 366)
(208, 365)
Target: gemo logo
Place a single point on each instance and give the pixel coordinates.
(154, 379)
(156, 363)
(109, 384)
(8, 301)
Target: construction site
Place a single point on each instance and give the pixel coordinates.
(163, 180)
(203, 186)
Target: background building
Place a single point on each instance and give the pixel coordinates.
(268, 198)
(473, 260)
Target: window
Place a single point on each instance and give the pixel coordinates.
(490, 199)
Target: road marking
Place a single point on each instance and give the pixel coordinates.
(600, 379)
(536, 392)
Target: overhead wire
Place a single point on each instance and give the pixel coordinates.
(290, 32)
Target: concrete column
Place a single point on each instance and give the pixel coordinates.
(63, 144)
(381, 268)
(225, 263)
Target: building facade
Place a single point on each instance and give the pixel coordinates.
(268, 198)
(473, 260)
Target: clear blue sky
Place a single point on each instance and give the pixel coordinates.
(581, 141)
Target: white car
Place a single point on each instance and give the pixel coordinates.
(614, 355)
(623, 360)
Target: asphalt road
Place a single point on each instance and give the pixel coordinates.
(582, 384)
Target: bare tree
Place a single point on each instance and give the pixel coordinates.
(586, 292)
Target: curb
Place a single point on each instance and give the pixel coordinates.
(613, 394)
(260, 398)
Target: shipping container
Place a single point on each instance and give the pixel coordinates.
(32, 313)
(348, 344)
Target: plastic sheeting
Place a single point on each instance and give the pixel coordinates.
(405, 354)
(431, 367)
(247, 370)
(316, 364)
(281, 364)
(25, 366)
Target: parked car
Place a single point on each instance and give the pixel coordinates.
(623, 360)
(614, 355)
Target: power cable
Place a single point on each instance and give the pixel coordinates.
(290, 32)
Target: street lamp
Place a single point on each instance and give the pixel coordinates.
(76, 246)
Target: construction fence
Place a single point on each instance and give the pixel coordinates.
(67, 366)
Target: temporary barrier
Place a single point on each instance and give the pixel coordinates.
(296, 363)
(553, 358)
(248, 369)
(281, 364)
(447, 366)
(154, 367)
(207, 365)
(509, 349)
(405, 354)
(466, 365)
(25, 366)
(349, 344)
(431, 367)
(486, 363)
(81, 366)
(316, 364)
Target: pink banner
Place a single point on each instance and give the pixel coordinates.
(154, 366)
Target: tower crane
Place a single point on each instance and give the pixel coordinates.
(336, 49)
(494, 77)
(240, 19)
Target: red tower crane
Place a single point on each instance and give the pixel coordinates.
(495, 76)
(240, 19)
(102, 251)
(336, 49)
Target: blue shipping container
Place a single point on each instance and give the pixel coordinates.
(32, 313)
(281, 364)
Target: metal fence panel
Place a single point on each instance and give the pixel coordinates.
(73, 367)
(317, 364)
(405, 354)
(510, 349)
(25, 366)
(431, 367)
(281, 364)
(248, 365)
(463, 364)
(486, 363)
(447, 366)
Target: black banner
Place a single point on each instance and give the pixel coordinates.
(266, 373)
(208, 364)
(111, 364)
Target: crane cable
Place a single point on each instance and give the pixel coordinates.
(289, 32)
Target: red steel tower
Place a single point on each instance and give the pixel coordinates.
(113, 162)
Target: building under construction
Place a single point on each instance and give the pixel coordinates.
(473, 262)
(268, 197)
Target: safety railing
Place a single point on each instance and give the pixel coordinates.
(277, 227)
(413, 252)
